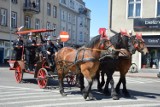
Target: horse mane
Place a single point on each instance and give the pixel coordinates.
(93, 41)
(115, 40)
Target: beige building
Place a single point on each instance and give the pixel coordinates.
(141, 16)
(36, 14)
(75, 19)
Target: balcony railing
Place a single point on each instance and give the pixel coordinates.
(83, 11)
(31, 7)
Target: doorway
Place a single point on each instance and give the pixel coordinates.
(1, 55)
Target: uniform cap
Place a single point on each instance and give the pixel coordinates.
(30, 33)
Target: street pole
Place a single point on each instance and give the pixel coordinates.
(10, 29)
(158, 69)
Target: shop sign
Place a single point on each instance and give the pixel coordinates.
(152, 41)
(147, 24)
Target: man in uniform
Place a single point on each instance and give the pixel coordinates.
(59, 44)
(18, 48)
(51, 49)
(30, 52)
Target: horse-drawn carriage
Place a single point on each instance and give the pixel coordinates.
(41, 71)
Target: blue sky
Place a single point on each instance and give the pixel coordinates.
(99, 15)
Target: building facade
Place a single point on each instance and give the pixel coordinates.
(36, 14)
(139, 16)
(75, 19)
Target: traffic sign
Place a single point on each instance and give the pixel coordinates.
(64, 36)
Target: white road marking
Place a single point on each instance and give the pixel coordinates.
(86, 103)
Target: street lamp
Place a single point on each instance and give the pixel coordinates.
(10, 29)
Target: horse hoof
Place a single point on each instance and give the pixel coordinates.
(63, 94)
(115, 97)
(90, 97)
(84, 95)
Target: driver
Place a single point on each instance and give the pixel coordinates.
(18, 48)
(50, 50)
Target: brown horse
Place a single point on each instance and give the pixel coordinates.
(122, 64)
(84, 60)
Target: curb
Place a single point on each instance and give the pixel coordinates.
(142, 75)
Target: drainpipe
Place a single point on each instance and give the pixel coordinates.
(110, 15)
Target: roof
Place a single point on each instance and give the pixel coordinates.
(34, 31)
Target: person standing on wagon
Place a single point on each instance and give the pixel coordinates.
(51, 49)
(30, 52)
(18, 48)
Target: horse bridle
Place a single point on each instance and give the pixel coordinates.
(103, 46)
(137, 43)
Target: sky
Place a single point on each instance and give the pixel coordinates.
(99, 15)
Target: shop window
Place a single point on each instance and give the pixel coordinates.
(158, 7)
(1, 43)
(134, 8)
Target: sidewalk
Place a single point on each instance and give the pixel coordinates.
(144, 73)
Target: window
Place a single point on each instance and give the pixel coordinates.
(71, 4)
(48, 9)
(134, 8)
(55, 11)
(81, 22)
(38, 4)
(27, 22)
(3, 17)
(54, 32)
(37, 23)
(48, 26)
(74, 19)
(62, 15)
(69, 17)
(63, 1)
(158, 8)
(13, 19)
(14, 1)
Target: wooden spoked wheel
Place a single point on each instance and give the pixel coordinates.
(71, 79)
(42, 78)
(18, 74)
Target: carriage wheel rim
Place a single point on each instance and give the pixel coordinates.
(42, 74)
(18, 74)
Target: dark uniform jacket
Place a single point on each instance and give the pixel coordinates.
(17, 43)
(30, 49)
(51, 48)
